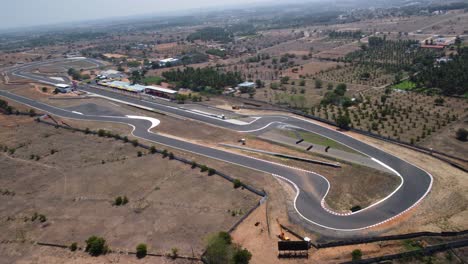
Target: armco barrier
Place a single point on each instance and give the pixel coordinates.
(389, 238)
(378, 239)
(429, 250)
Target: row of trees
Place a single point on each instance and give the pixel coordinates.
(211, 34)
(450, 77)
(197, 79)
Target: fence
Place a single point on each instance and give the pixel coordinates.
(429, 250)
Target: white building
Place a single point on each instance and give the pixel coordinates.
(63, 88)
(163, 63)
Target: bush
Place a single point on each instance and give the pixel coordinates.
(101, 133)
(237, 183)
(165, 153)
(73, 246)
(32, 112)
(343, 122)
(194, 164)
(211, 171)
(203, 168)
(96, 246)
(44, 89)
(135, 143)
(356, 254)
(141, 251)
(124, 200)
(125, 139)
(118, 201)
(87, 131)
(42, 218)
(139, 154)
(171, 155)
(241, 256)
(462, 134)
(153, 149)
(174, 253)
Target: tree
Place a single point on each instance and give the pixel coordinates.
(285, 80)
(356, 254)
(318, 83)
(96, 246)
(73, 246)
(237, 183)
(341, 89)
(462, 134)
(141, 251)
(259, 83)
(118, 201)
(217, 250)
(343, 122)
(241, 256)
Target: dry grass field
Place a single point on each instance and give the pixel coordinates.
(73, 179)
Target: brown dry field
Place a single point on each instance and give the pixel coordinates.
(339, 51)
(75, 187)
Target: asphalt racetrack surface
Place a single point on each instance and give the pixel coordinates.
(311, 187)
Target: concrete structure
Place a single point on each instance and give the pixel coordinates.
(246, 85)
(124, 86)
(63, 88)
(161, 92)
(111, 74)
(165, 62)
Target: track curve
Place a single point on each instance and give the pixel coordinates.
(311, 188)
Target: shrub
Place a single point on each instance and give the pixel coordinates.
(237, 183)
(124, 200)
(96, 246)
(194, 164)
(462, 134)
(203, 168)
(356, 254)
(73, 246)
(139, 154)
(343, 122)
(174, 253)
(241, 256)
(118, 201)
(87, 131)
(34, 217)
(101, 133)
(32, 112)
(171, 155)
(44, 89)
(165, 153)
(152, 149)
(125, 139)
(42, 218)
(135, 142)
(211, 171)
(141, 251)
(226, 237)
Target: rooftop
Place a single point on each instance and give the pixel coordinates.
(161, 89)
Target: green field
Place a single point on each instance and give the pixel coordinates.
(405, 85)
(153, 80)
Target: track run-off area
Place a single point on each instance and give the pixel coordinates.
(311, 188)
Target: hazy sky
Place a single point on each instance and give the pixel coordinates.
(25, 13)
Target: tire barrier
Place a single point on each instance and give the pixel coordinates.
(367, 133)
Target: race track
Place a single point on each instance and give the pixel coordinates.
(311, 188)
